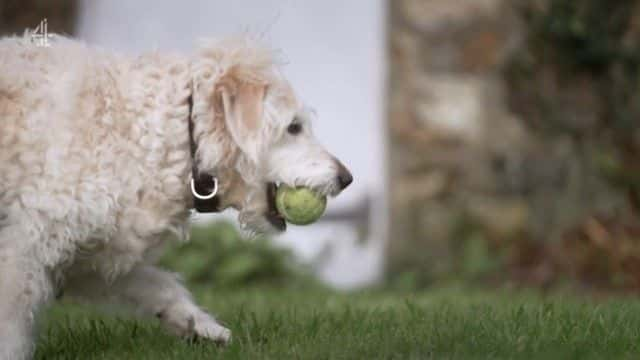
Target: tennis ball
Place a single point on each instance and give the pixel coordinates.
(301, 205)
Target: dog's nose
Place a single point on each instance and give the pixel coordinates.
(344, 176)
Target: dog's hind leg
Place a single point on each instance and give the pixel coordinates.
(152, 292)
(25, 285)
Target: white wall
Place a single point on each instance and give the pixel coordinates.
(334, 51)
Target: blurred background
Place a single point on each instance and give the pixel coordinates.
(492, 141)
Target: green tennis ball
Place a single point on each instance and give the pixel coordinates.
(300, 206)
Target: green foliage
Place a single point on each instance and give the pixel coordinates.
(576, 82)
(613, 168)
(477, 258)
(439, 324)
(589, 34)
(590, 45)
(217, 255)
(598, 37)
(583, 55)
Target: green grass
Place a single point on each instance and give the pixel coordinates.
(316, 324)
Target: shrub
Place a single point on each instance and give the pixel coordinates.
(218, 255)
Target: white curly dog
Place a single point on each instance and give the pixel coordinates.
(97, 152)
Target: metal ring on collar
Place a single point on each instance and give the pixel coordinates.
(205, 197)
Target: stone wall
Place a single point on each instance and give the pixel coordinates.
(468, 172)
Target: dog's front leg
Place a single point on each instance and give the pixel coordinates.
(154, 292)
(25, 286)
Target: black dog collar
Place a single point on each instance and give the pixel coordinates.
(204, 187)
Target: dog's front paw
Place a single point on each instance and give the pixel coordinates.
(204, 326)
(191, 322)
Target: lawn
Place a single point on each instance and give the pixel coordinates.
(318, 324)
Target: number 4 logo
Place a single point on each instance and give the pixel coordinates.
(40, 35)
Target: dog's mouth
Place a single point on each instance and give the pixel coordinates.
(273, 216)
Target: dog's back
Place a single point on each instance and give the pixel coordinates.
(39, 94)
(47, 146)
(84, 144)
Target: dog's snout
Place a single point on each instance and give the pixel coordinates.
(344, 176)
(345, 179)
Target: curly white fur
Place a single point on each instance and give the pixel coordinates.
(95, 164)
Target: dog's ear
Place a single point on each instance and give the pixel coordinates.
(243, 104)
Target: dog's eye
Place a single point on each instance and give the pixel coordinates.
(294, 128)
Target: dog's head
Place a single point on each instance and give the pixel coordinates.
(254, 133)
